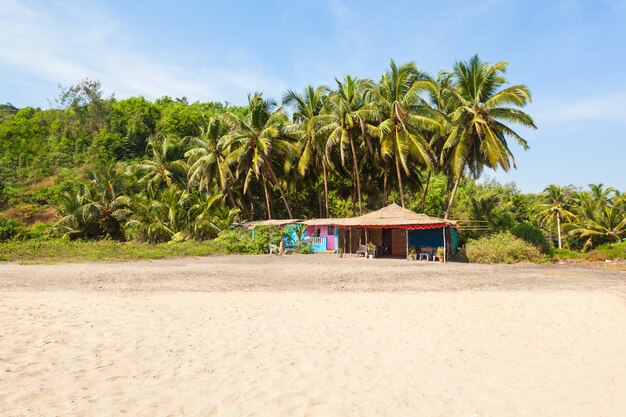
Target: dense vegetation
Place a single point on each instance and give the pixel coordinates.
(501, 248)
(95, 167)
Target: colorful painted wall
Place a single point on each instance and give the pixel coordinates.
(331, 238)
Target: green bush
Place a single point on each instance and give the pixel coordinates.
(613, 250)
(243, 242)
(563, 254)
(533, 235)
(501, 248)
(601, 253)
(9, 228)
(40, 231)
(305, 249)
(248, 242)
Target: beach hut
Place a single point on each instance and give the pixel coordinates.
(322, 235)
(395, 230)
(288, 224)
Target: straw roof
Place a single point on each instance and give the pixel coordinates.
(321, 222)
(392, 215)
(272, 222)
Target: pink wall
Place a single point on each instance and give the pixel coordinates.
(330, 239)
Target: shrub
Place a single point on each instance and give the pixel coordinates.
(242, 241)
(501, 248)
(305, 249)
(9, 228)
(40, 231)
(562, 254)
(533, 235)
(597, 256)
(613, 250)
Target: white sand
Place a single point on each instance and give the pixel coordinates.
(312, 353)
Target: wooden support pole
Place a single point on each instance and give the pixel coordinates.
(406, 236)
(445, 248)
(350, 241)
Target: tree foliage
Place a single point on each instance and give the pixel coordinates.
(170, 170)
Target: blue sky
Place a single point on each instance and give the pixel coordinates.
(572, 55)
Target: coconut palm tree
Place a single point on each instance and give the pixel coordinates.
(165, 167)
(97, 209)
(408, 122)
(480, 111)
(162, 217)
(345, 118)
(208, 216)
(258, 142)
(557, 205)
(600, 195)
(607, 225)
(207, 159)
(306, 107)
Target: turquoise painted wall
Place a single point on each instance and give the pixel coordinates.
(424, 238)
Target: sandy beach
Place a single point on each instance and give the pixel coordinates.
(311, 336)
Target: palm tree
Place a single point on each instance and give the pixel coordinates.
(209, 216)
(165, 167)
(478, 136)
(481, 208)
(405, 118)
(306, 107)
(206, 159)
(97, 209)
(557, 205)
(609, 224)
(600, 195)
(257, 142)
(345, 116)
(162, 217)
(441, 99)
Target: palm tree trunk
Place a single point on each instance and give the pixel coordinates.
(426, 191)
(454, 190)
(558, 228)
(355, 162)
(231, 197)
(325, 170)
(267, 199)
(458, 179)
(319, 199)
(400, 187)
(447, 193)
(278, 184)
(385, 175)
(551, 230)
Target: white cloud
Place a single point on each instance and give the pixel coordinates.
(63, 44)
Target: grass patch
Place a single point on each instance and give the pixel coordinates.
(54, 251)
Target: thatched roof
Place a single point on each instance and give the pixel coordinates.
(273, 222)
(321, 222)
(393, 215)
